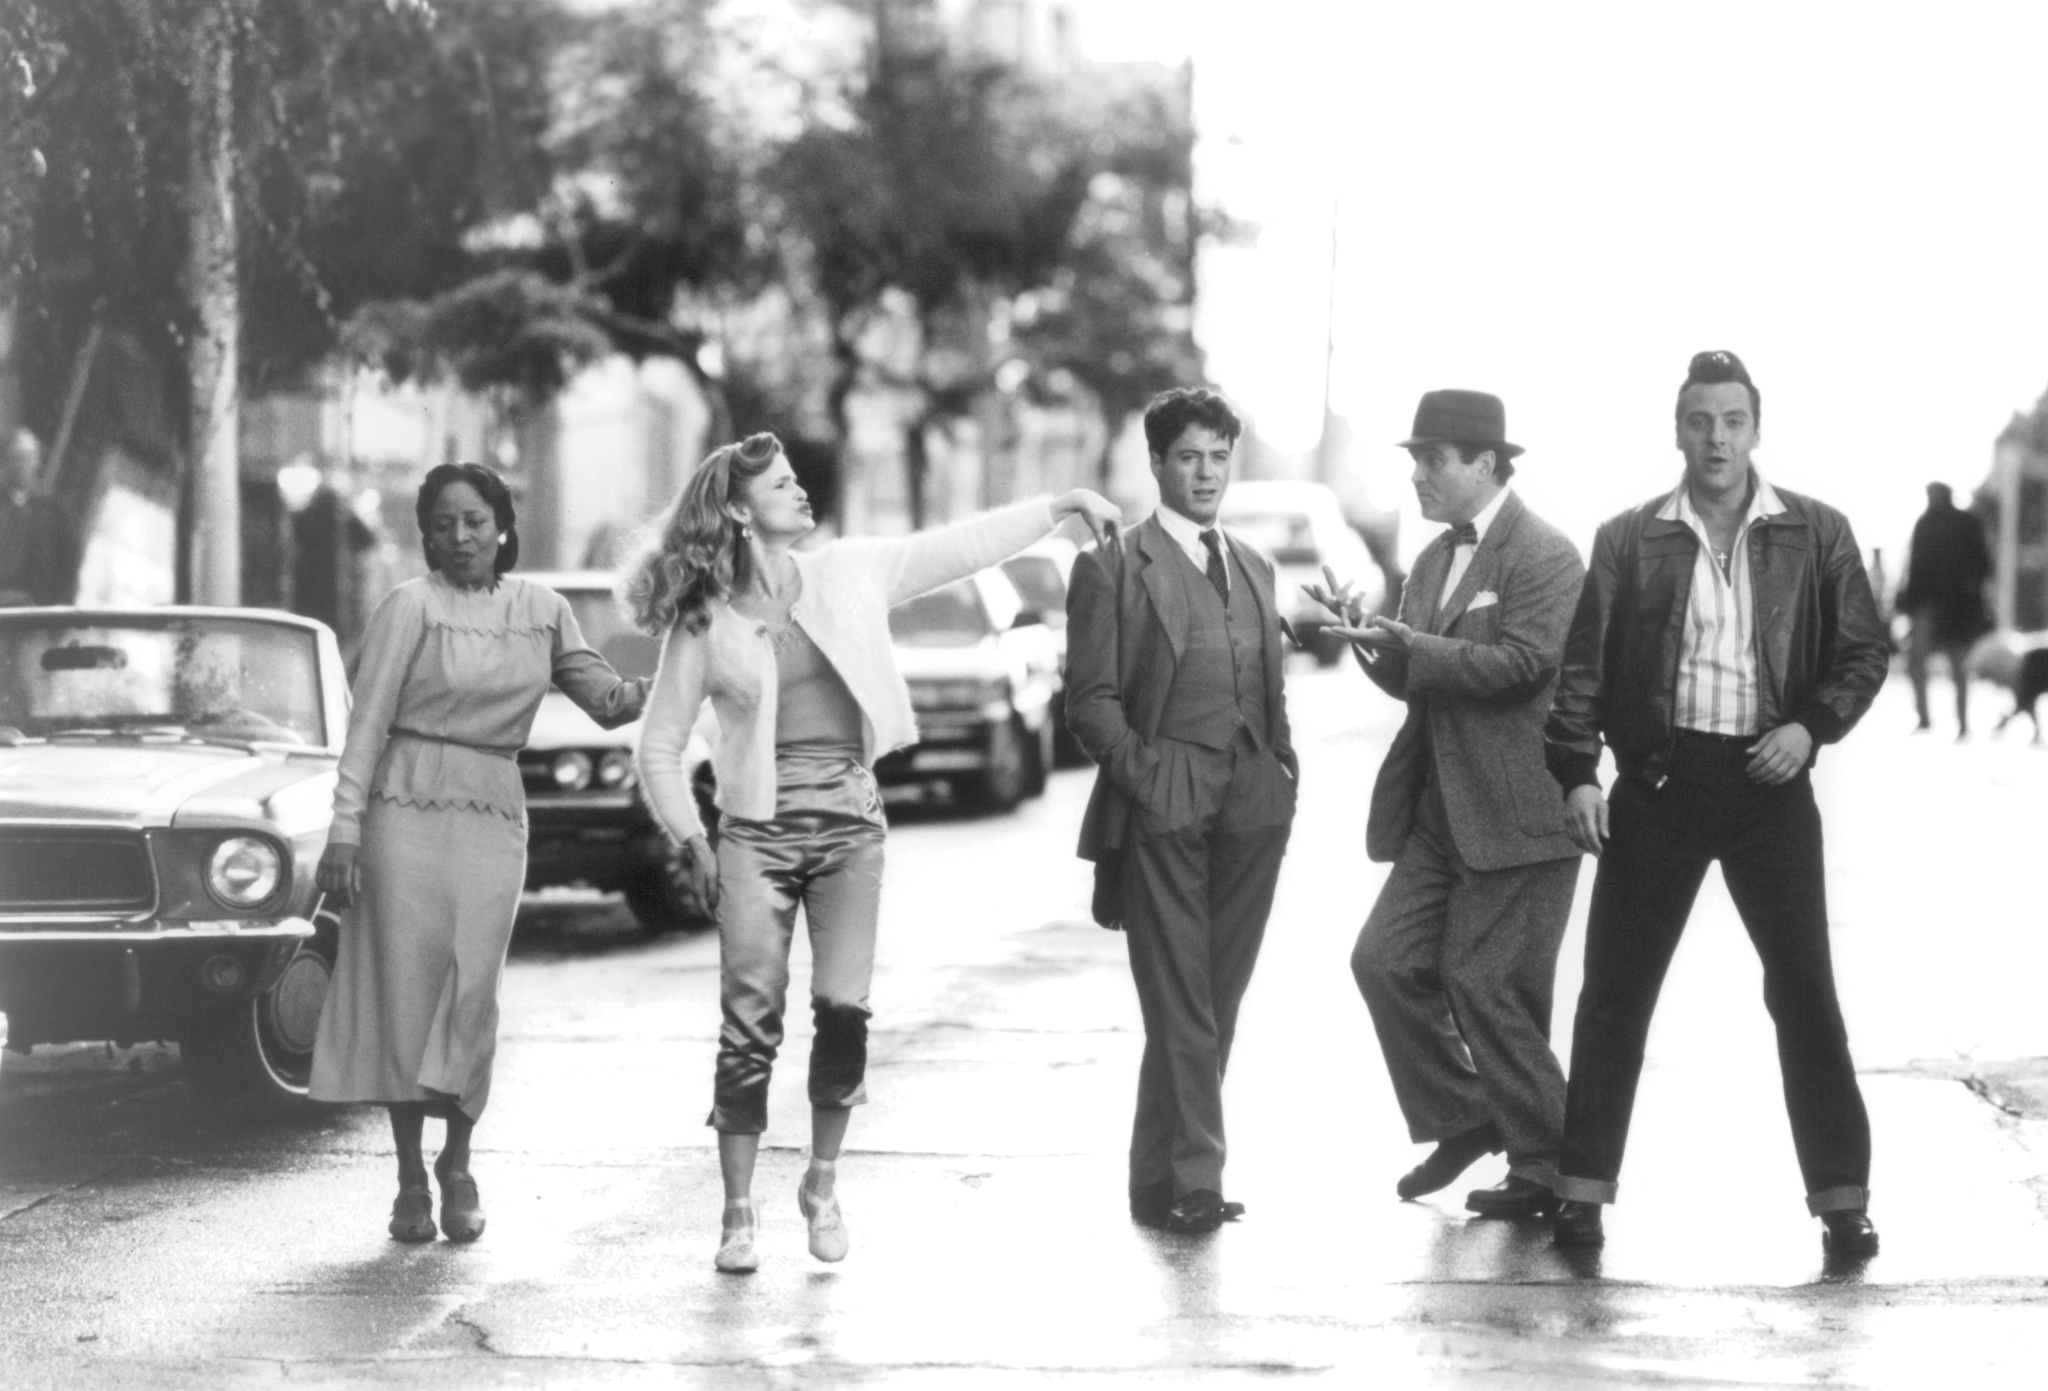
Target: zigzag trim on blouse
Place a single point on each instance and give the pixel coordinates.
(450, 804)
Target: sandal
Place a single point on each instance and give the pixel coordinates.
(412, 1216)
(462, 1209)
(736, 1245)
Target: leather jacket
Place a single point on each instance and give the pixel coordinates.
(1821, 651)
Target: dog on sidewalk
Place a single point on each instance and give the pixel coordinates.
(2029, 680)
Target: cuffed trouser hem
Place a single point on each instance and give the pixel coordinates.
(735, 1123)
(1582, 1190)
(1847, 1198)
(1541, 1171)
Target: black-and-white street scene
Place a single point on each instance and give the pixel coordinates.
(995, 693)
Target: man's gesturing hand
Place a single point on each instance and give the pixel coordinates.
(1389, 634)
(1585, 815)
(1779, 756)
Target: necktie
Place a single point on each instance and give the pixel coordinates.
(1465, 534)
(1218, 576)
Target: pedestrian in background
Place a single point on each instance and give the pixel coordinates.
(1458, 958)
(1174, 689)
(428, 846)
(1943, 598)
(38, 562)
(793, 650)
(1725, 632)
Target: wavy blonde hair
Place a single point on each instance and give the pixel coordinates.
(694, 554)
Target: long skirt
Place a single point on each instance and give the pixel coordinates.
(412, 1013)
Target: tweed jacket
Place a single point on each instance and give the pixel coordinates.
(1821, 654)
(1127, 626)
(1478, 677)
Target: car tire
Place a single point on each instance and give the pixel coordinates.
(662, 899)
(1003, 783)
(260, 1046)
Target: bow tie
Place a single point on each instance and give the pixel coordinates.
(1465, 534)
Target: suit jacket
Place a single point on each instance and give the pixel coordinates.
(1478, 678)
(1127, 626)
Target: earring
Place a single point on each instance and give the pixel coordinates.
(501, 538)
(746, 532)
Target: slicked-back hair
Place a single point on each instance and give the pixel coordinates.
(1171, 412)
(490, 488)
(1713, 368)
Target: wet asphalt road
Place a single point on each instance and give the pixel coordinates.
(145, 1242)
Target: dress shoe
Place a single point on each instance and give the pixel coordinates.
(1202, 1210)
(1848, 1232)
(1449, 1159)
(1577, 1224)
(1513, 1196)
(462, 1209)
(1150, 1202)
(412, 1216)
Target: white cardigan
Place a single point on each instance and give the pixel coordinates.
(848, 588)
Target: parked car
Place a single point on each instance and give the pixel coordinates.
(1301, 526)
(983, 673)
(1041, 573)
(587, 817)
(166, 780)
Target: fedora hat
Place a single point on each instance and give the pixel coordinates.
(1462, 417)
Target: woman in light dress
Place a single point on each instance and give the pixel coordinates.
(792, 649)
(428, 846)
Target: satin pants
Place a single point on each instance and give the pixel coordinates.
(823, 850)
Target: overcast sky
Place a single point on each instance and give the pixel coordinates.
(1560, 203)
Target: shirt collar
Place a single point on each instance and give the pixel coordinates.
(1763, 502)
(1487, 513)
(1185, 531)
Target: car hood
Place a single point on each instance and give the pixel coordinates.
(981, 659)
(561, 724)
(162, 785)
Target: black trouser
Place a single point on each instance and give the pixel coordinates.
(1768, 840)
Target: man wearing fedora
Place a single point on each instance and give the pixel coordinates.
(1174, 689)
(1726, 631)
(1458, 957)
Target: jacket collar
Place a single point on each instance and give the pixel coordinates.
(1485, 561)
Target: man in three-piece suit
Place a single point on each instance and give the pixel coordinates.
(1174, 689)
(1458, 957)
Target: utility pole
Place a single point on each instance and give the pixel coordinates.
(213, 362)
(1326, 443)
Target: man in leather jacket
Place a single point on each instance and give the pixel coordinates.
(1726, 630)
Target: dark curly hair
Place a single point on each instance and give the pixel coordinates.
(490, 487)
(1171, 412)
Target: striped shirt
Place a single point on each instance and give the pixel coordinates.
(1717, 674)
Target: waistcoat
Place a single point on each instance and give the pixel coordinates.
(1219, 687)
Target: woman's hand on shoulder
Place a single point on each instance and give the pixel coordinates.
(1102, 516)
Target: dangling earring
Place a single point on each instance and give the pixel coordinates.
(746, 532)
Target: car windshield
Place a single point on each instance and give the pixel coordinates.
(949, 617)
(212, 677)
(605, 627)
(1037, 578)
(1286, 536)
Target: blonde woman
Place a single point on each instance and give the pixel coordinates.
(792, 649)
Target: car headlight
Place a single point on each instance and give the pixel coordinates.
(243, 871)
(615, 769)
(572, 771)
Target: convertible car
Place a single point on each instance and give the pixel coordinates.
(166, 780)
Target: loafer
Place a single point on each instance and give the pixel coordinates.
(412, 1216)
(1577, 1224)
(829, 1241)
(1150, 1202)
(736, 1254)
(1848, 1232)
(1512, 1197)
(462, 1208)
(1449, 1159)
(1202, 1210)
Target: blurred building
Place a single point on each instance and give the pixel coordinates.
(2017, 496)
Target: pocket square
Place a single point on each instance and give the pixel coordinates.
(1482, 599)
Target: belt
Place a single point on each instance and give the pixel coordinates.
(495, 750)
(1714, 741)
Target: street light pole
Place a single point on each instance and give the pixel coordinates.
(1326, 444)
(213, 434)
